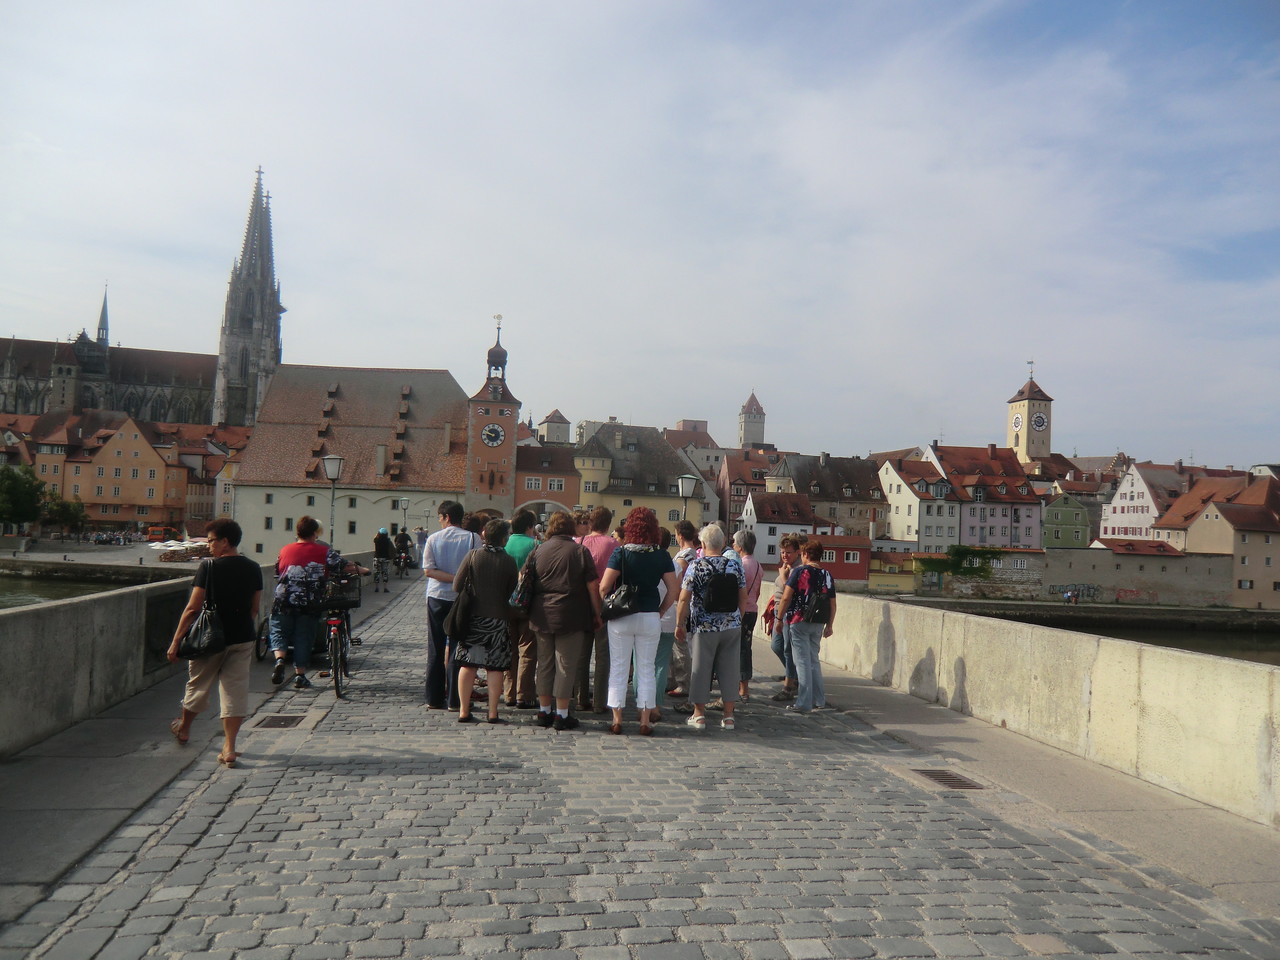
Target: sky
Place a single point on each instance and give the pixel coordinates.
(873, 213)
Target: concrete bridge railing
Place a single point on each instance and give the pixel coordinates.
(1202, 726)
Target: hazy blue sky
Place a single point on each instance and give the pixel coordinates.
(872, 213)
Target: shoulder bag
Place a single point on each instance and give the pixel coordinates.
(625, 599)
(457, 622)
(204, 637)
(522, 599)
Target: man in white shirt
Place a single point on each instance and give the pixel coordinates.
(442, 554)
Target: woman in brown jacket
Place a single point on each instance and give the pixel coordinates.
(489, 574)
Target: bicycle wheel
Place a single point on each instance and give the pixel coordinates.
(336, 664)
(261, 641)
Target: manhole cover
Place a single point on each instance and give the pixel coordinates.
(949, 778)
(281, 720)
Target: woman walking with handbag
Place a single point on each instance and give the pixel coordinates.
(232, 584)
(482, 618)
(638, 566)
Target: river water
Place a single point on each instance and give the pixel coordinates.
(21, 591)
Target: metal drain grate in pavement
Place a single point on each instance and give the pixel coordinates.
(948, 778)
(281, 720)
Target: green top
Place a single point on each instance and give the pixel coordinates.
(519, 547)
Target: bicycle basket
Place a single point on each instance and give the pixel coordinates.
(342, 593)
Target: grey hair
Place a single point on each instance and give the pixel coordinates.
(712, 538)
(745, 541)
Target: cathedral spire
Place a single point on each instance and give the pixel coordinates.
(103, 336)
(249, 348)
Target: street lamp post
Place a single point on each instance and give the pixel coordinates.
(685, 485)
(404, 513)
(333, 470)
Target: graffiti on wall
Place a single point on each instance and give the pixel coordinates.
(1137, 596)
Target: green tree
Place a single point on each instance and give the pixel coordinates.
(66, 514)
(962, 561)
(20, 497)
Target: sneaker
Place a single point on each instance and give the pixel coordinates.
(277, 672)
(795, 711)
(546, 719)
(565, 723)
(300, 682)
(783, 696)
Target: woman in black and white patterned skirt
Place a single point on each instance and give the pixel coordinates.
(493, 576)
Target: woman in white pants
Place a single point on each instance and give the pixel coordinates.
(642, 564)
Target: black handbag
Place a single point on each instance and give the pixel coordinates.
(204, 637)
(457, 622)
(625, 599)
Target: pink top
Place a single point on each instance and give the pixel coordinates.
(601, 547)
(754, 574)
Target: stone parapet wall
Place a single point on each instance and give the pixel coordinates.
(1202, 726)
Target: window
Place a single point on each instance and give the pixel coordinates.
(351, 526)
(951, 531)
(75, 472)
(1076, 535)
(626, 503)
(151, 474)
(288, 523)
(555, 483)
(115, 472)
(144, 511)
(1057, 534)
(773, 531)
(533, 483)
(773, 550)
(311, 500)
(997, 564)
(101, 472)
(1244, 561)
(44, 468)
(351, 504)
(97, 491)
(591, 486)
(828, 556)
(1018, 563)
(75, 490)
(133, 474)
(257, 548)
(1244, 584)
(266, 523)
(115, 491)
(151, 493)
(851, 556)
(1244, 538)
(673, 516)
(269, 498)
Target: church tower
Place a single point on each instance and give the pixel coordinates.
(492, 417)
(249, 347)
(1030, 423)
(751, 424)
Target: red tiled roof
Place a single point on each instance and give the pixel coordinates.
(784, 508)
(684, 438)
(1146, 548)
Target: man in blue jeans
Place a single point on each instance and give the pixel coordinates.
(441, 556)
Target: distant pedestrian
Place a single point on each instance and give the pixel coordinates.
(788, 554)
(520, 690)
(745, 542)
(593, 666)
(233, 585)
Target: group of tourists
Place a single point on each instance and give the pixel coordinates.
(572, 618)
(582, 617)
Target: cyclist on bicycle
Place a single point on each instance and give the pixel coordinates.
(383, 553)
(404, 550)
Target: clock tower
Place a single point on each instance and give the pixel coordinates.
(1030, 422)
(492, 417)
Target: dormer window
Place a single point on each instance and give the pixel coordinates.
(847, 491)
(979, 495)
(1022, 489)
(922, 486)
(1002, 488)
(875, 494)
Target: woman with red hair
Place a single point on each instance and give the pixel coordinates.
(640, 563)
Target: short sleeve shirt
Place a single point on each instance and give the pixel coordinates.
(645, 568)
(805, 580)
(234, 582)
(695, 581)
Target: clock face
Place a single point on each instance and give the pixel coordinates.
(1039, 421)
(1017, 421)
(492, 434)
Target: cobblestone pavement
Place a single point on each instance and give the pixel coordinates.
(379, 829)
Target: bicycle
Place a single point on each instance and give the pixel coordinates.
(342, 594)
(382, 574)
(263, 640)
(403, 563)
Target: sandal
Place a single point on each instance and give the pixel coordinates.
(176, 729)
(727, 723)
(615, 728)
(698, 722)
(228, 760)
(646, 731)
(655, 716)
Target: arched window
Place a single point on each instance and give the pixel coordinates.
(244, 363)
(184, 411)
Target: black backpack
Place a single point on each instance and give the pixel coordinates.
(720, 594)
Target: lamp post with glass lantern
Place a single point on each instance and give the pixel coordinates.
(685, 485)
(404, 514)
(332, 465)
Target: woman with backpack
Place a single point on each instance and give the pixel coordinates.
(712, 596)
(809, 606)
